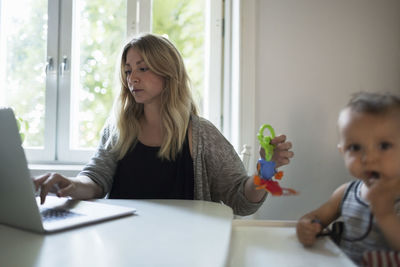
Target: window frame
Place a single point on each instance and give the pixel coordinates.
(49, 147)
(239, 111)
(58, 96)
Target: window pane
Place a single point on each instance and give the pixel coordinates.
(22, 64)
(98, 35)
(183, 22)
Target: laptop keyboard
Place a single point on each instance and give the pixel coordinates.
(57, 214)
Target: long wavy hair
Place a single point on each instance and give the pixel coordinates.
(177, 104)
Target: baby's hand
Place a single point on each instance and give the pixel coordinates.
(382, 196)
(307, 231)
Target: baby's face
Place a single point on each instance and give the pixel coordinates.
(370, 144)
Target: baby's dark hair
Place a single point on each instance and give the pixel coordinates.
(375, 103)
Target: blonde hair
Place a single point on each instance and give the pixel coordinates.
(177, 104)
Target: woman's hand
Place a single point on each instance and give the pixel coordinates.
(53, 183)
(80, 187)
(282, 153)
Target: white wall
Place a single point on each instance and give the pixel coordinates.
(310, 56)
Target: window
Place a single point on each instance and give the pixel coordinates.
(59, 60)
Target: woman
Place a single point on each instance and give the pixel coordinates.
(156, 145)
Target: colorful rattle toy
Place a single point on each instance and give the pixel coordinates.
(266, 167)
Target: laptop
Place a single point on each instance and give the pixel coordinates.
(19, 207)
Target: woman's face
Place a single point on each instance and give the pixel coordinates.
(144, 84)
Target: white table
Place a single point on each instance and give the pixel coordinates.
(163, 233)
(168, 233)
(274, 243)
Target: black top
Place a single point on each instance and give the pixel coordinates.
(141, 174)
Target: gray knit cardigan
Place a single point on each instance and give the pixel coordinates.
(219, 174)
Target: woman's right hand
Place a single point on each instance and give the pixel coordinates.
(54, 183)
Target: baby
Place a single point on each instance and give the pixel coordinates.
(369, 207)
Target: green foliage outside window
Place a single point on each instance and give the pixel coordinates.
(24, 85)
(182, 21)
(102, 35)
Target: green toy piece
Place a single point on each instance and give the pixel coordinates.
(265, 141)
(266, 168)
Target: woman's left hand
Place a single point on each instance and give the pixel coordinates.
(282, 153)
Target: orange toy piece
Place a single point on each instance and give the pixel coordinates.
(272, 186)
(268, 185)
(279, 175)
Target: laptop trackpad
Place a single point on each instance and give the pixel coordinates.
(59, 213)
